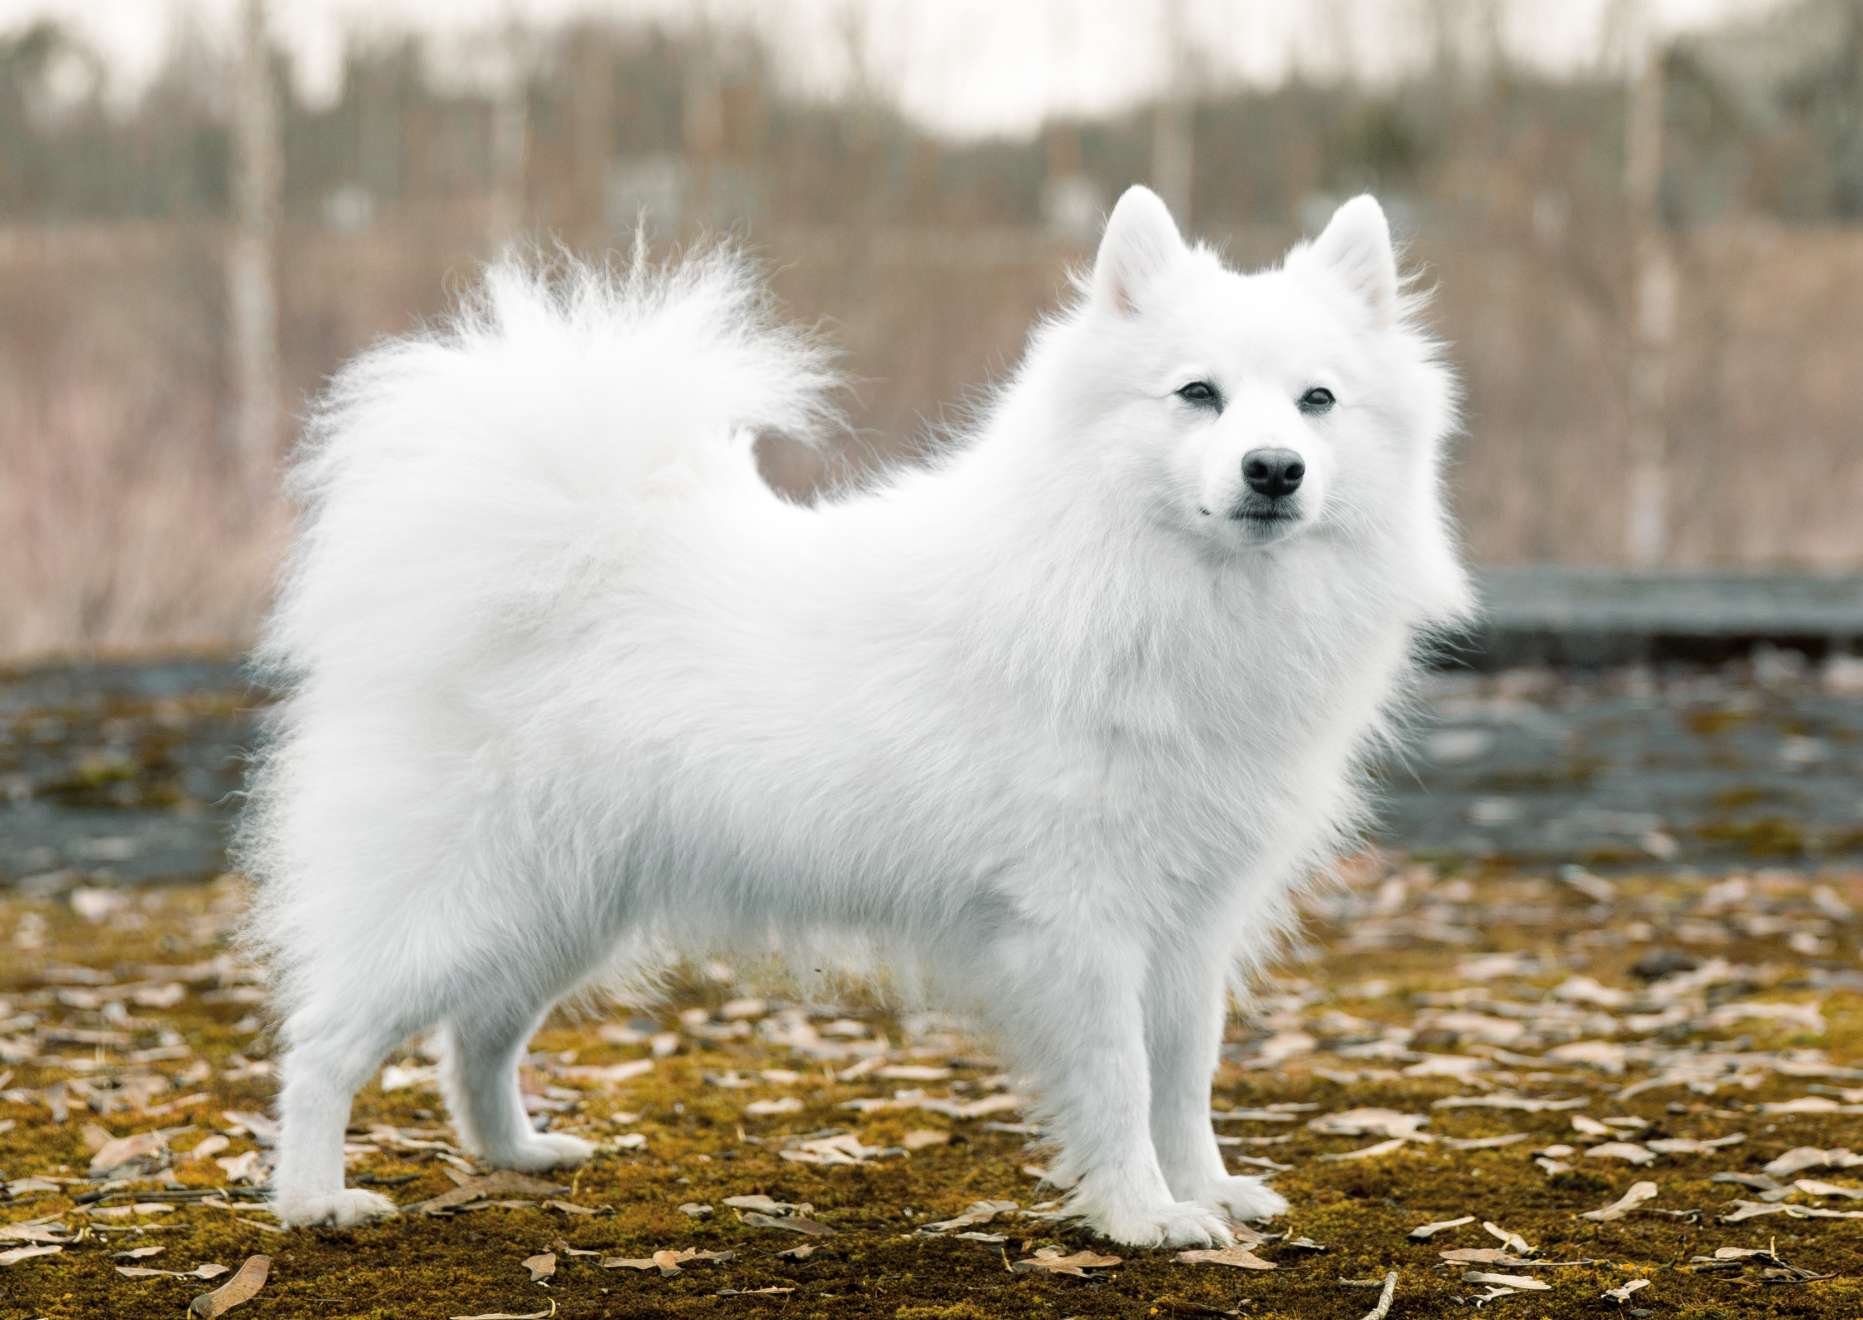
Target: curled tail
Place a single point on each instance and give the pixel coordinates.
(453, 480)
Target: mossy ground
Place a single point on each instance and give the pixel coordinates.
(701, 1147)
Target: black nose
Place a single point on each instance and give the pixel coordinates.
(1273, 472)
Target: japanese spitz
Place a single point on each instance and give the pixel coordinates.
(1059, 722)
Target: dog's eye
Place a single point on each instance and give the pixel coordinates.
(1317, 400)
(1199, 391)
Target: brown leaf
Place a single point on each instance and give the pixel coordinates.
(1636, 1196)
(1051, 1260)
(1512, 1241)
(121, 1150)
(540, 1267)
(789, 1224)
(571, 1208)
(1480, 1256)
(503, 1182)
(18, 1254)
(1369, 1122)
(768, 1206)
(1423, 1232)
(198, 1272)
(1239, 1257)
(977, 1212)
(33, 1233)
(236, 1291)
(1390, 1147)
(1518, 1281)
(667, 1262)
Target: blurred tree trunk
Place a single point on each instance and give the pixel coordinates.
(511, 142)
(252, 291)
(1174, 119)
(1647, 532)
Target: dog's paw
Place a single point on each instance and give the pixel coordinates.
(343, 1208)
(1242, 1198)
(546, 1150)
(1172, 1224)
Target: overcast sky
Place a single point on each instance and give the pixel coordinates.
(961, 66)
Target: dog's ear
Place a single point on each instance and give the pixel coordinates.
(1141, 240)
(1355, 249)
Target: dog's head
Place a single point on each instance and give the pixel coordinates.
(1252, 408)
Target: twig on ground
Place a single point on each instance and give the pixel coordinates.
(1383, 1308)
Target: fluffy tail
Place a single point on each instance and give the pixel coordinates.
(452, 482)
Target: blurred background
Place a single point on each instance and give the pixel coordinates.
(1642, 217)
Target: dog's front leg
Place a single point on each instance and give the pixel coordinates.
(1071, 1013)
(1184, 1009)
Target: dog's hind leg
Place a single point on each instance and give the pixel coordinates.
(479, 1057)
(1184, 1007)
(336, 1043)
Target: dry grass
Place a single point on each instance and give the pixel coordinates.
(125, 527)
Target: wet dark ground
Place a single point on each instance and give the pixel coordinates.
(124, 774)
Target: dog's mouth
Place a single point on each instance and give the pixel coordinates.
(1259, 511)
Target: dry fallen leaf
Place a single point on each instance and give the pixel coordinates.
(1506, 1100)
(198, 1272)
(1622, 1150)
(1621, 1295)
(1636, 1196)
(1239, 1257)
(1423, 1232)
(1810, 1157)
(667, 1262)
(977, 1212)
(121, 1150)
(920, 1138)
(1484, 1143)
(1369, 1122)
(789, 1224)
(540, 1267)
(1051, 1260)
(1479, 1256)
(767, 1206)
(212, 1145)
(34, 1232)
(1392, 1146)
(503, 1182)
(1812, 1187)
(1512, 1241)
(1690, 1146)
(18, 1254)
(506, 1315)
(1519, 1282)
(236, 1291)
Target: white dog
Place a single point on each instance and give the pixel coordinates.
(1058, 724)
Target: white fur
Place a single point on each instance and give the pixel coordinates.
(1045, 723)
